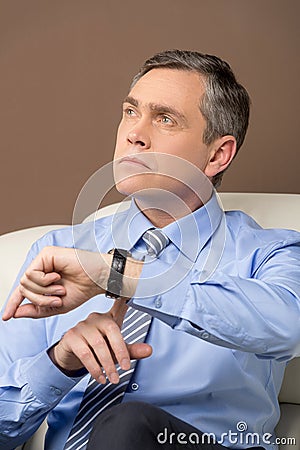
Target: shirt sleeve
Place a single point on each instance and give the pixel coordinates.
(258, 314)
(29, 389)
(30, 384)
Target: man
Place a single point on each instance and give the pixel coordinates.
(222, 293)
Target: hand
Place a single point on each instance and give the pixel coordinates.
(57, 281)
(97, 344)
(61, 279)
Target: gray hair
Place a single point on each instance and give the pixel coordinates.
(225, 105)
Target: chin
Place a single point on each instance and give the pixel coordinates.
(128, 187)
(134, 183)
(140, 191)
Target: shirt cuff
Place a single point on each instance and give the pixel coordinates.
(46, 381)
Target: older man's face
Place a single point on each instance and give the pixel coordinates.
(161, 121)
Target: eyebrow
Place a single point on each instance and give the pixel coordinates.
(158, 108)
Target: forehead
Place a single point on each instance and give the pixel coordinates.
(179, 88)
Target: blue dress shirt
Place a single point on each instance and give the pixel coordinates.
(225, 298)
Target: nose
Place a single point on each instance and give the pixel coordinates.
(139, 136)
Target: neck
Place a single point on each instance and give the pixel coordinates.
(161, 212)
(157, 217)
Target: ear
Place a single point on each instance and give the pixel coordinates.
(222, 153)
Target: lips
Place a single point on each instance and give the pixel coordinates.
(134, 161)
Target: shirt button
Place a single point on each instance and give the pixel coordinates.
(55, 390)
(134, 386)
(205, 335)
(158, 302)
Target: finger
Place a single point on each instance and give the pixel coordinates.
(41, 299)
(102, 351)
(116, 342)
(14, 301)
(139, 350)
(36, 312)
(41, 278)
(37, 288)
(118, 311)
(81, 348)
(44, 261)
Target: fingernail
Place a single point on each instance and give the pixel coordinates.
(102, 379)
(125, 364)
(114, 378)
(59, 292)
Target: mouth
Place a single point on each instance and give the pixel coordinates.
(133, 160)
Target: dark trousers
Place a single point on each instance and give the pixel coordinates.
(137, 425)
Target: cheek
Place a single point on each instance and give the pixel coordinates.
(120, 138)
(184, 147)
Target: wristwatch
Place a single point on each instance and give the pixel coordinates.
(115, 279)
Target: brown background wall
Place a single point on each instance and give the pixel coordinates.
(65, 66)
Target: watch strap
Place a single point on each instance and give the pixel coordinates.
(115, 279)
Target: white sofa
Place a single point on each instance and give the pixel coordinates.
(270, 210)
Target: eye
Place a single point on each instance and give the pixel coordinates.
(166, 120)
(129, 112)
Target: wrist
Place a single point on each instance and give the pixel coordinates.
(96, 267)
(128, 277)
(77, 370)
(104, 271)
(131, 276)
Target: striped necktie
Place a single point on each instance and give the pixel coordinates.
(98, 397)
(155, 241)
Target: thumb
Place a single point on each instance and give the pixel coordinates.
(139, 350)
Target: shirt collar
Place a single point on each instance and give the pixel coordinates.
(189, 234)
(127, 227)
(192, 232)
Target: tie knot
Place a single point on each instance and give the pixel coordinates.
(155, 241)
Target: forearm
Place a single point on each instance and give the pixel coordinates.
(29, 389)
(247, 314)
